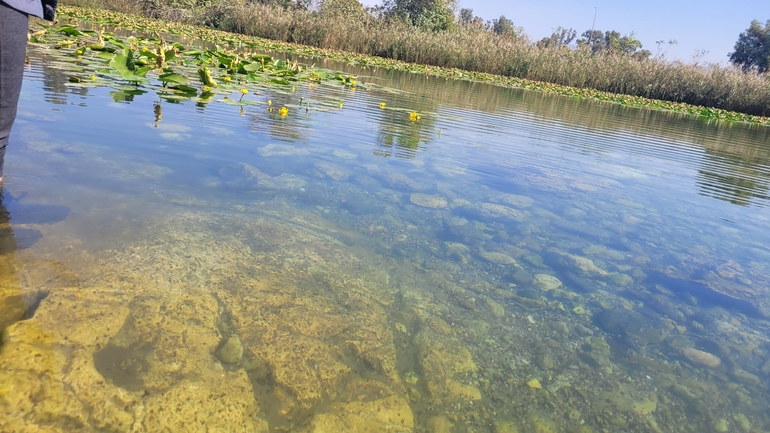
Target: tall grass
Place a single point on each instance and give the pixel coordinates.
(478, 50)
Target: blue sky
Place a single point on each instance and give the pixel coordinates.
(695, 25)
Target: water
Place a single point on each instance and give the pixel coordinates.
(511, 261)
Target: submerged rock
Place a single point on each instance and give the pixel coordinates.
(578, 264)
(546, 282)
(519, 201)
(399, 181)
(12, 308)
(245, 177)
(332, 170)
(443, 360)
(497, 258)
(390, 414)
(701, 357)
(232, 351)
(491, 210)
(273, 149)
(427, 200)
(439, 424)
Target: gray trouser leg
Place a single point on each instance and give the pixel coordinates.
(13, 48)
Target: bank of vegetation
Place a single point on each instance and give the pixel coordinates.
(605, 65)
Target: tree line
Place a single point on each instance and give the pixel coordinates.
(751, 50)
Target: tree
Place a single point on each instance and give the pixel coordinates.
(429, 14)
(342, 8)
(504, 27)
(613, 42)
(561, 37)
(752, 50)
(466, 18)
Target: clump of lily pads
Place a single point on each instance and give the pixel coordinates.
(143, 24)
(135, 65)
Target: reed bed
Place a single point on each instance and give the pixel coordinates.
(479, 50)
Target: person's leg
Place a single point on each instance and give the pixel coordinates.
(13, 49)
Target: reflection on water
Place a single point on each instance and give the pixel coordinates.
(510, 261)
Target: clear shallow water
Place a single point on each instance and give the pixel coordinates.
(509, 261)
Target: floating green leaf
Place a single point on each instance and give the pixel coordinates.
(173, 77)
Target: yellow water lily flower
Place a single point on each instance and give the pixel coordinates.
(340, 105)
(206, 88)
(382, 105)
(93, 77)
(270, 109)
(227, 79)
(244, 91)
(269, 102)
(293, 89)
(413, 116)
(283, 111)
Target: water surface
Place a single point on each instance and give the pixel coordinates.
(510, 261)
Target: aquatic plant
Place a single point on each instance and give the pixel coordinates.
(137, 64)
(702, 90)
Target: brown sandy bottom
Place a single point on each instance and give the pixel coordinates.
(219, 322)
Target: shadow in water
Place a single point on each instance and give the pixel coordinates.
(12, 308)
(12, 304)
(22, 213)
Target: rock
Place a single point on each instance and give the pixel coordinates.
(490, 210)
(427, 200)
(245, 177)
(620, 279)
(620, 321)
(399, 181)
(546, 282)
(505, 427)
(332, 170)
(599, 345)
(542, 423)
(12, 308)
(700, 357)
(745, 377)
(232, 351)
(344, 154)
(390, 414)
(546, 362)
(189, 406)
(496, 309)
(645, 406)
(521, 276)
(581, 265)
(443, 360)
(766, 367)
(520, 201)
(289, 181)
(560, 327)
(273, 149)
(497, 258)
(439, 424)
(456, 247)
(457, 392)
(535, 260)
(721, 426)
(742, 421)
(534, 384)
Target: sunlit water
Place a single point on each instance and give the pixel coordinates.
(510, 261)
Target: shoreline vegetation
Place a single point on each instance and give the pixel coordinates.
(711, 92)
